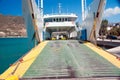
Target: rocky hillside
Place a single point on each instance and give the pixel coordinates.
(12, 26)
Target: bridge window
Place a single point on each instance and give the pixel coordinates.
(48, 20)
(56, 19)
(62, 19)
(66, 19)
(70, 19)
(59, 19)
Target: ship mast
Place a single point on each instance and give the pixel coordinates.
(40, 6)
(59, 8)
(83, 9)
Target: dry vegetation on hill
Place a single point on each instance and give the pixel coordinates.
(12, 26)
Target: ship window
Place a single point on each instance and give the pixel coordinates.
(54, 20)
(69, 19)
(65, 19)
(48, 20)
(57, 20)
(60, 19)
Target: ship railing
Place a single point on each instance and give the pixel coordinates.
(60, 14)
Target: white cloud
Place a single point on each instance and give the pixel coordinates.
(111, 11)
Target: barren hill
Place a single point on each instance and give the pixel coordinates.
(12, 26)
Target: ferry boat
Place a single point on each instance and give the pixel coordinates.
(60, 26)
(63, 59)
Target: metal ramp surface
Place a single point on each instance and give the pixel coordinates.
(70, 59)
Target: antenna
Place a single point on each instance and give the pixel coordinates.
(59, 8)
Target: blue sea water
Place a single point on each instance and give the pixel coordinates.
(11, 49)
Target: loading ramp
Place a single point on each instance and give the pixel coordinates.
(69, 59)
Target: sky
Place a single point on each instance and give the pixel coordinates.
(14, 7)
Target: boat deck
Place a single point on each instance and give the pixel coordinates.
(70, 59)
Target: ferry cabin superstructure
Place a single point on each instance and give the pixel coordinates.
(60, 24)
